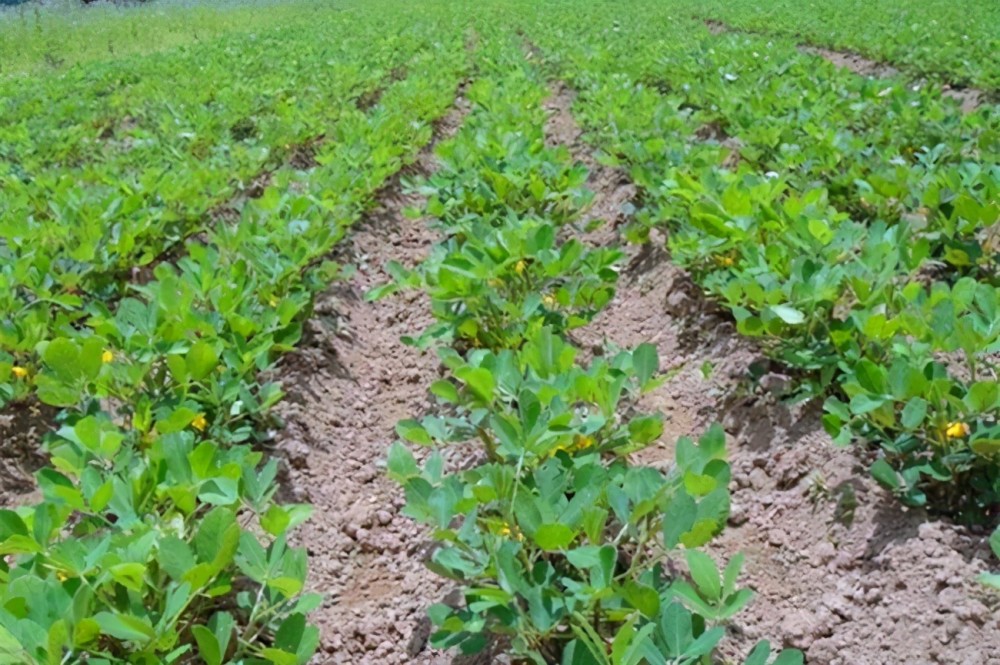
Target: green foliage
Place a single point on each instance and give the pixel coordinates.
(157, 538)
(559, 542)
(835, 216)
(493, 283)
(932, 38)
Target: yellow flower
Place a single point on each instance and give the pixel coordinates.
(956, 430)
(62, 577)
(19, 372)
(107, 356)
(561, 448)
(519, 268)
(580, 442)
(726, 261)
(549, 301)
(273, 302)
(507, 532)
(199, 423)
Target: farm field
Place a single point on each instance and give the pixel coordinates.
(500, 332)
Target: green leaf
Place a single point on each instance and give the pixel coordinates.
(125, 627)
(11, 524)
(279, 657)
(705, 574)
(732, 573)
(413, 431)
(706, 642)
(219, 491)
(129, 575)
(86, 631)
(552, 537)
(863, 403)
(11, 651)
(679, 517)
(643, 598)
(276, 520)
(789, 657)
(288, 586)
(676, 629)
(445, 390)
(788, 314)
(760, 654)
(985, 447)
(208, 645)
(401, 464)
(479, 380)
(646, 363)
(584, 558)
(290, 633)
(176, 420)
(63, 357)
(883, 472)
(201, 360)
(914, 413)
(175, 556)
(990, 580)
(644, 430)
(983, 396)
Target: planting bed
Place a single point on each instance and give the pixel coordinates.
(548, 333)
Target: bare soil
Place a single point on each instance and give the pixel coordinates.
(22, 426)
(347, 387)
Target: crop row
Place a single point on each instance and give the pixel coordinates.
(130, 168)
(562, 546)
(933, 38)
(158, 538)
(848, 223)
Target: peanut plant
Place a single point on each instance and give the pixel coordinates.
(564, 550)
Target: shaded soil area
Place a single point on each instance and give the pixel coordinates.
(22, 426)
(347, 386)
(968, 98)
(841, 569)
